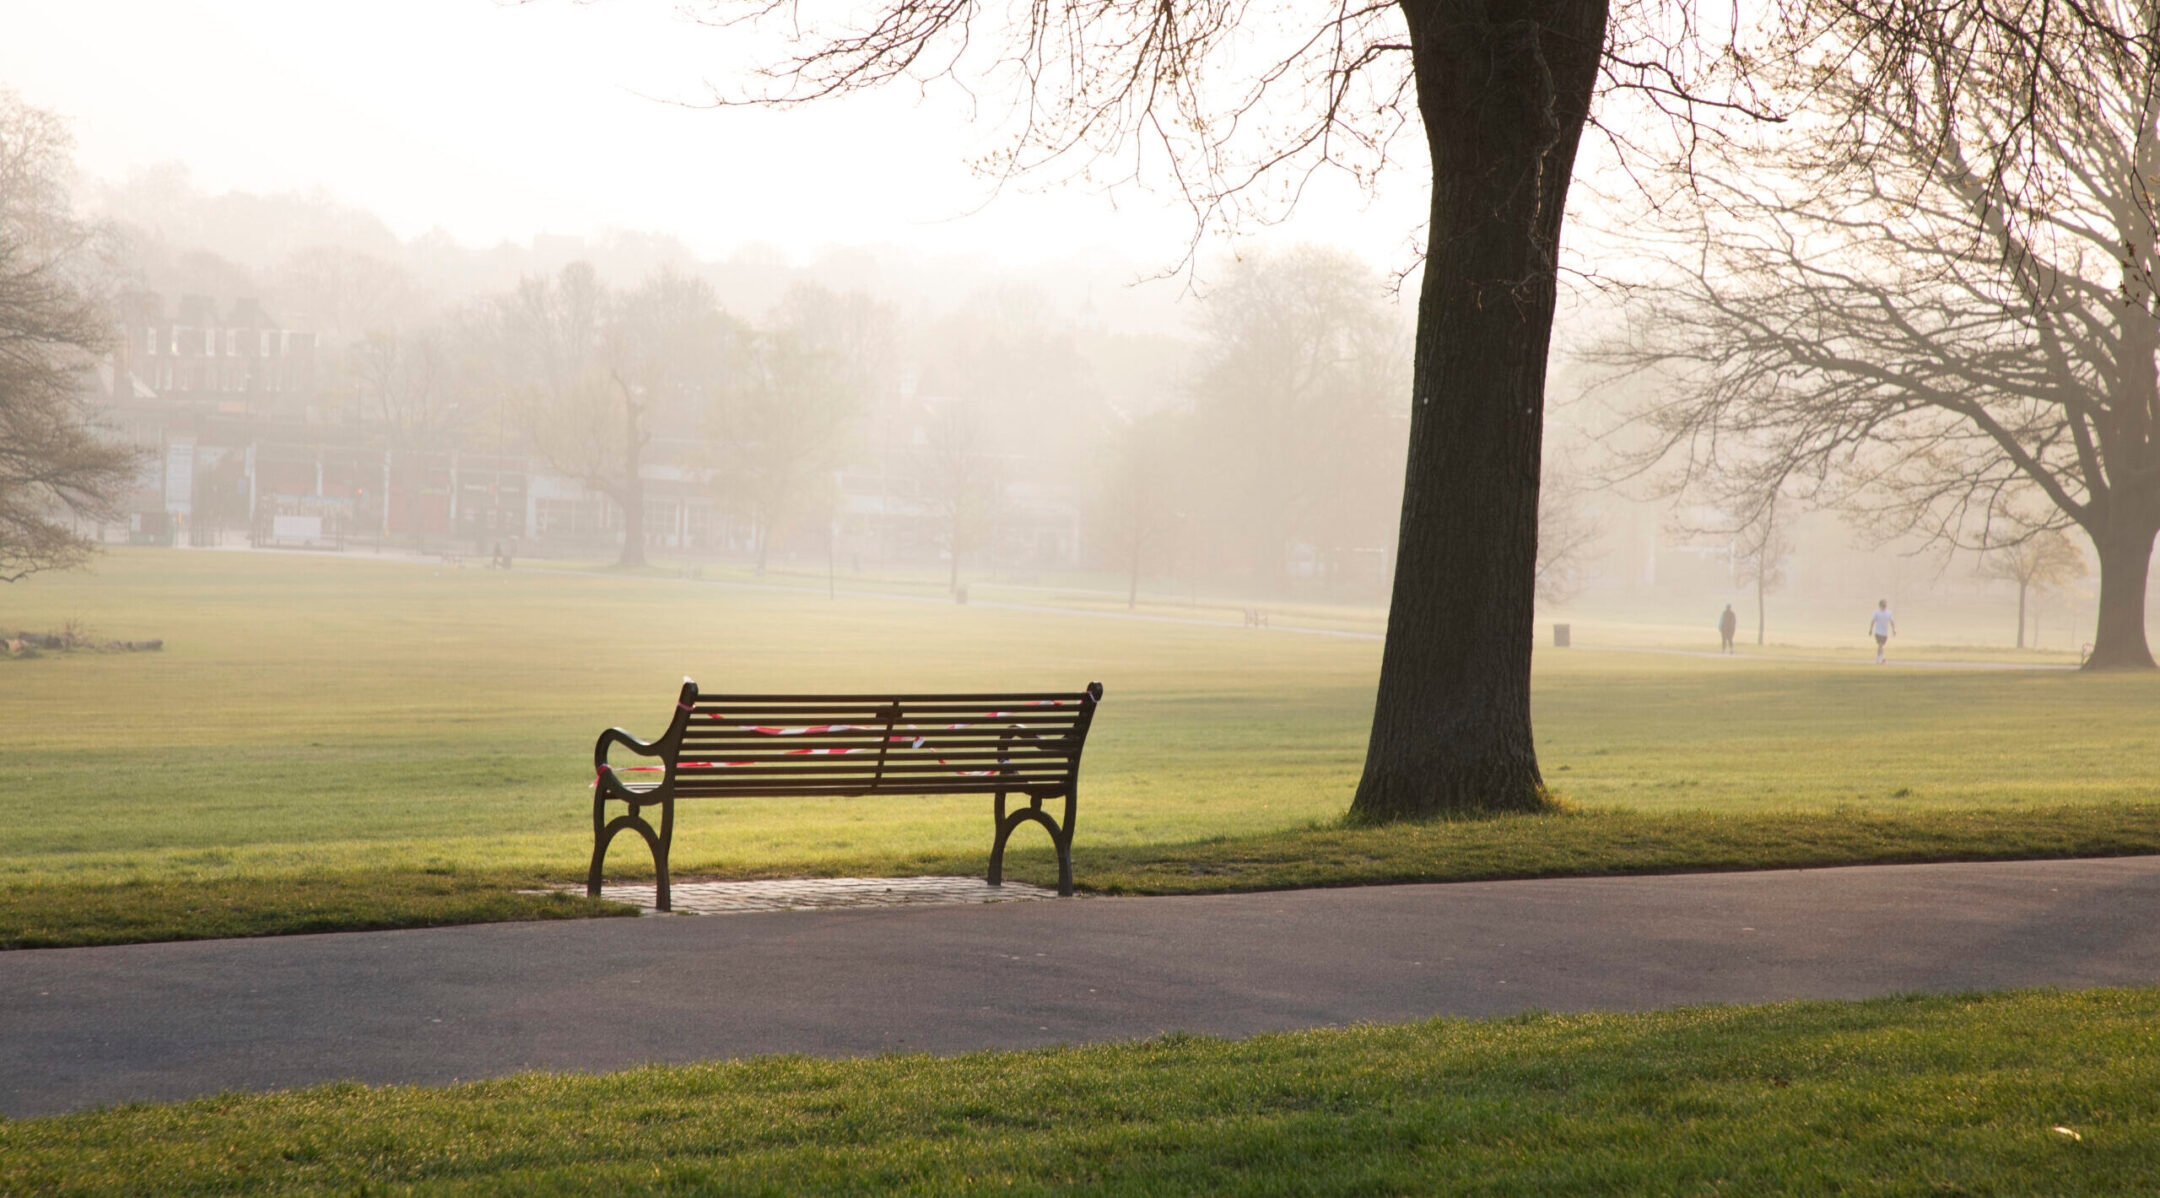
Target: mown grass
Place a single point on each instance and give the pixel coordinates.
(1959, 1094)
(1572, 844)
(1607, 842)
(142, 910)
(346, 727)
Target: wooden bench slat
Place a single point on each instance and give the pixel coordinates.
(867, 719)
(868, 761)
(813, 788)
(901, 705)
(790, 702)
(1031, 739)
(873, 773)
(905, 702)
(1027, 741)
(868, 758)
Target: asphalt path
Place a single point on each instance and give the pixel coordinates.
(87, 1027)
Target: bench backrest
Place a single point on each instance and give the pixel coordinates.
(753, 745)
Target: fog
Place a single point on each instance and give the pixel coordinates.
(393, 299)
(494, 122)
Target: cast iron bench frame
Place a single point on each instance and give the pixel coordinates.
(762, 746)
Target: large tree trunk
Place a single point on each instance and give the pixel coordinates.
(1503, 88)
(2125, 550)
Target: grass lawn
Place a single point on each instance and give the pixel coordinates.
(1961, 1094)
(345, 742)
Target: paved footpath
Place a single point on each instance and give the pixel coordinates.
(83, 1027)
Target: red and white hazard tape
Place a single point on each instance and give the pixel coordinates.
(913, 742)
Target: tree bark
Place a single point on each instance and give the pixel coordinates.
(1503, 89)
(2125, 550)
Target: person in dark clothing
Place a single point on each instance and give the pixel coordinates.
(1727, 624)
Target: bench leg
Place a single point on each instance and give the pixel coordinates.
(1061, 837)
(997, 844)
(663, 899)
(600, 838)
(604, 831)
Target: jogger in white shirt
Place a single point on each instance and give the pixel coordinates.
(1882, 628)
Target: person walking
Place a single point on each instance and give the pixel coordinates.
(1727, 624)
(1882, 627)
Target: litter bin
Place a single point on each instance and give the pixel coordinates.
(1560, 636)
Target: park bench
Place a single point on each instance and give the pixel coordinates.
(1024, 746)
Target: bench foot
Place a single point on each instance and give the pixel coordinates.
(1060, 836)
(656, 839)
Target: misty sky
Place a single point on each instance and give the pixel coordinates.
(497, 121)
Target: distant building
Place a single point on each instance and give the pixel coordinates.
(253, 434)
(238, 362)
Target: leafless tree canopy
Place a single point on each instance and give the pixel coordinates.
(592, 367)
(792, 394)
(1236, 105)
(1932, 301)
(55, 470)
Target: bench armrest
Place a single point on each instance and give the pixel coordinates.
(663, 747)
(604, 777)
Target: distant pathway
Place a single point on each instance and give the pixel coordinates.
(1859, 658)
(81, 1027)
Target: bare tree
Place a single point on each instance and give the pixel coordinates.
(1141, 509)
(551, 342)
(664, 345)
(1761, 548)
(417, 384)
(1238, 99)
(961, 476)
(1934, 311)
(56, 469)
(1243, 103)
(1298, 407)
(346, 293)
(1568, 534)
(595, 365)
(783, 419)
(2042, 560)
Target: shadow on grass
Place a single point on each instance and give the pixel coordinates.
(143, 910)
(1570, 842)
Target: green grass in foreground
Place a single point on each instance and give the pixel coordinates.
(1896, 1096)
